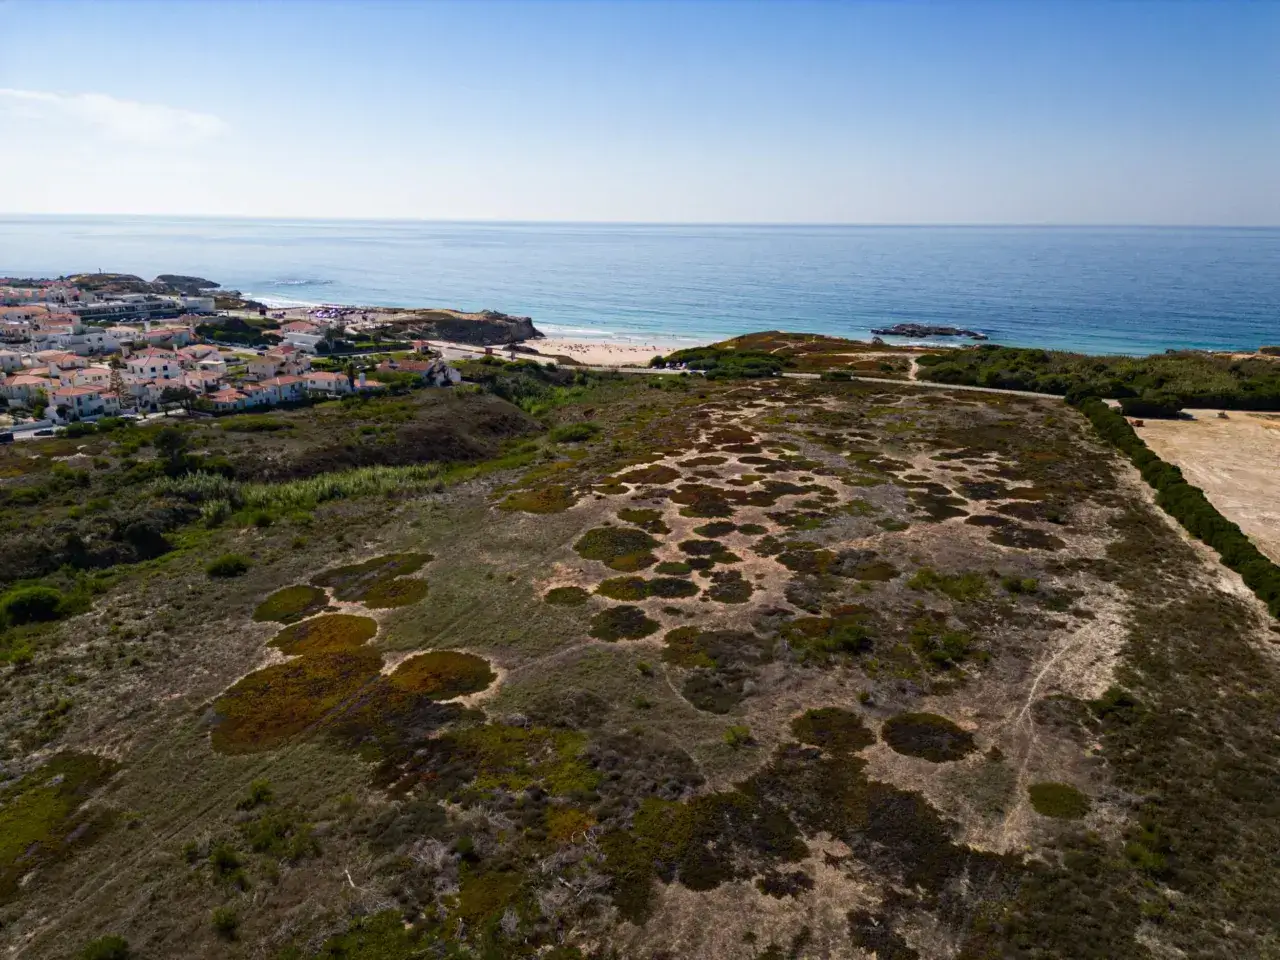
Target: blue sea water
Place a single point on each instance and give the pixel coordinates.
(1098, 290)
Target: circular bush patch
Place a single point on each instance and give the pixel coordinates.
(624, 588)
(566, 596)
(395, 592)
(328, 634)
(1058, 800)
(671, 588)
(291, 603)
(625, 550)
(443, 674)
(351, 582)
(651, 475)
(281, 702)
(729, 587)
(553, 499)
(716, 528)
(622, 623)
(672, 568)
(650, 520)
(928, 736)
(833, 729)
(1026, 538)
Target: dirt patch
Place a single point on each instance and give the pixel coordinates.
(1236, 462)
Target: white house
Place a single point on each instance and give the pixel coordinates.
(322, 381)
(201, 381)
(61, 359)
(91, 376)
(288, 388)
(81, 402)
(10, 361)
(227, 398)
(153, 364)
(284, 360)
(24, 387)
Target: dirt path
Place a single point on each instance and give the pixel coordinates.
(1235, 461)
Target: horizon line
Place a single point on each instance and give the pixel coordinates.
(4, 215)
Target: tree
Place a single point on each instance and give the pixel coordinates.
(350, 371)
(183, 396)
(171, 445)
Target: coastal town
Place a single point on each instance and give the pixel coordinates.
(69, 352)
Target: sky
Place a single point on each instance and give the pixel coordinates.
(789, 112)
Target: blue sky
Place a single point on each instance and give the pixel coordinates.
(913, 112)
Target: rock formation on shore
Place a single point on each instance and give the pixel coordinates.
(488, 328)
(926, 330)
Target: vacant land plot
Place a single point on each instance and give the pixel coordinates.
(771, 669)
(1235, 461)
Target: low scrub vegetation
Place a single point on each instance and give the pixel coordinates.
(1162, 383)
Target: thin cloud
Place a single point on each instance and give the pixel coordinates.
(149, 124)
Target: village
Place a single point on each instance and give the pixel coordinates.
(71, 354)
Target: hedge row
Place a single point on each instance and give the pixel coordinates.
(1188, 505)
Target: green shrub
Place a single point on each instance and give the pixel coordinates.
(738, 736)
(31, 605)
(928, 736)
(225, 922)
(566, 596)
(1058, 800)
(622, 623)
(1025, 585)
(1152, 403)
(961, 587)
(624, 550)
(260, 793)
(228, 565)
(255, 423)
(832, 729)
(110, 947)
(291, 603)
(573, 432)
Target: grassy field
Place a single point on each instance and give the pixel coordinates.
(601, 667)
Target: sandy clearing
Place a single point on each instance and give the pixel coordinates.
(1235, 461)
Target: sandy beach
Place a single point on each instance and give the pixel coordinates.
(602, 353)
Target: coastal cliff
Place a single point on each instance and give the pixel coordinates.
(488, 328)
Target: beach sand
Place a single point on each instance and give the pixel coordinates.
(603, 353)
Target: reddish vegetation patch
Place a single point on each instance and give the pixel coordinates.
(328, 634)
(396, 592)
(352, 582)
(651, 475)
(551, 499)
(290, 604)
(278, 703)
(443, 674)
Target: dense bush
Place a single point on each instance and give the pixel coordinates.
(31, 605)
(228, 565)
(1190, 378)
(1189, 506)
(106, 948)
(717, 362)
(1152, 403)
(574, 432)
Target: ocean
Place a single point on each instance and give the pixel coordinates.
(1097, 290)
